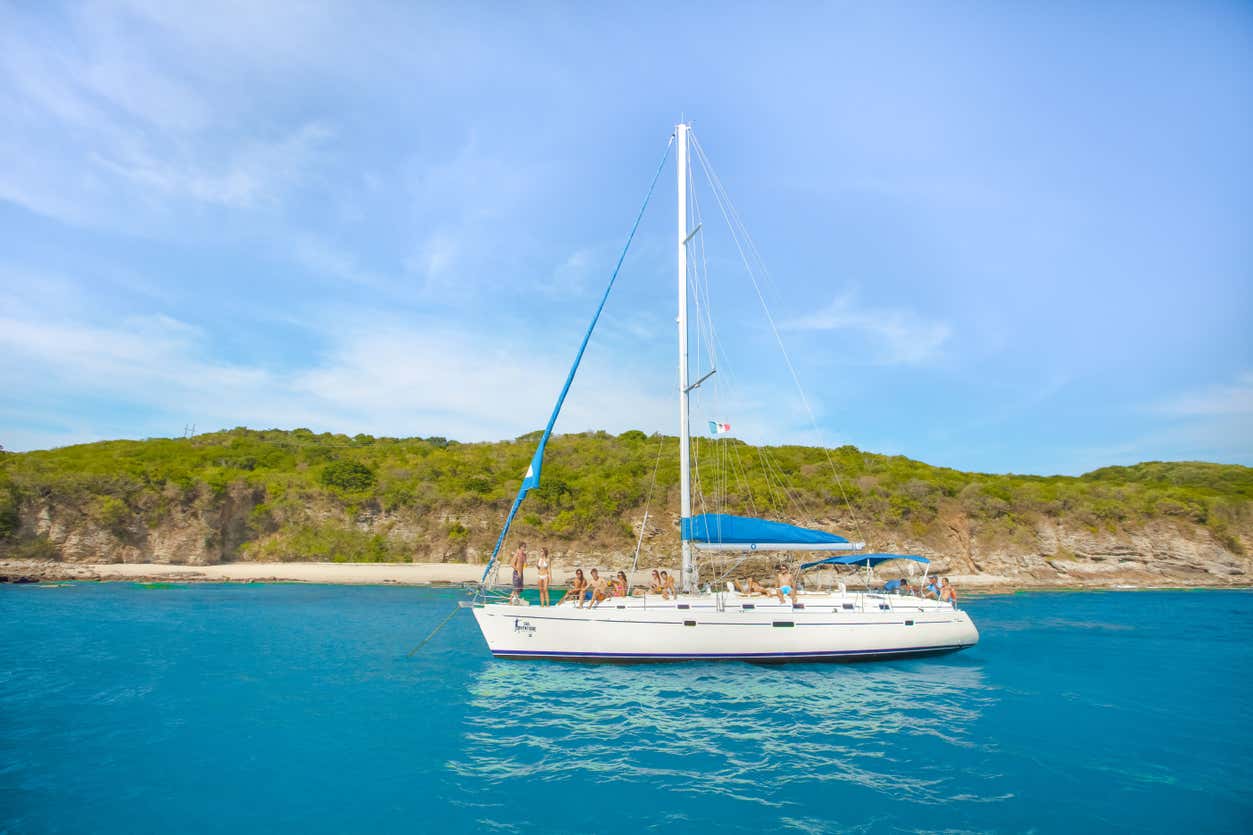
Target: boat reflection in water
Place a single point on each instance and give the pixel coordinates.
(730, 731)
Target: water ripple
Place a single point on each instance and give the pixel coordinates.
(740, 732)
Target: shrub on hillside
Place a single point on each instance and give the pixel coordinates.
(348, 475)
(10, 520)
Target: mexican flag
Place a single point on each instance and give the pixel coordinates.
(716, 428)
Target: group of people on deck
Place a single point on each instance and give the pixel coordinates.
(593, 589)
(784, 587)
(933, 589)
(583, 590)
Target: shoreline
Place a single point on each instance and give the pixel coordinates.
(447, 574)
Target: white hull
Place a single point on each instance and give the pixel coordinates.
(825, 627)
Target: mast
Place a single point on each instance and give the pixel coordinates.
(687, 576)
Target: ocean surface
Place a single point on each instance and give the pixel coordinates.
(265, 708)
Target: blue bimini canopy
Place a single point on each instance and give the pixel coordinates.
(861, 560)
(723, 532)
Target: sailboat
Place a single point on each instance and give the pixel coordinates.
(717, 621)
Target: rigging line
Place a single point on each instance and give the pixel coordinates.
(699, 487)
(775, 471)
(435, 631)
(706, 166)
(725, 463)
(704, 505)
(532, 478)
(703, 334)
(703, 271)
(692, 287)
(771, 479)
(793, 497)
(648, 503)
(691, 276)
(766, 470)
(741, 473)
(734, 564)
(752, 246)
(716, 184)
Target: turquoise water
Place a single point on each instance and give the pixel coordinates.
(267, 708)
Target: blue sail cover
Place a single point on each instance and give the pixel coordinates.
(860, 560)
(724, 529)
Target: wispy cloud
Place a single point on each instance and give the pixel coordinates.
(896, 336)
(468, 213)
(372, 374)
(324, 258)
(111, 131)
(1219, 400)
(257, 173)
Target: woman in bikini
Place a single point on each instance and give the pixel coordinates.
(620, 585)
(545, 576)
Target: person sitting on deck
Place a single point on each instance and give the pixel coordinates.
(667, 586)
(931, 591)
(893, 586)
(597, 590)
(620, 585)
(751, 586)
(577, 586)
(787, 587)
(655, 586)
(947, 592)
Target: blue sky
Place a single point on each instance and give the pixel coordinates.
(1007, 237)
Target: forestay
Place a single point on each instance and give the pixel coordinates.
(532, 478)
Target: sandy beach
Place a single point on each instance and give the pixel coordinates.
(411, 574)
(404, 574)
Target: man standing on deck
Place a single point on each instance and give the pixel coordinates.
(519, 567)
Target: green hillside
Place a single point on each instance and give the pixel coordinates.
(305, 493)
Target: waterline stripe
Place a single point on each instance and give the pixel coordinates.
(723, 655)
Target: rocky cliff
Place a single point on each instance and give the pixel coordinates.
(281, 496)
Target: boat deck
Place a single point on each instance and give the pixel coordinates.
(735, 601)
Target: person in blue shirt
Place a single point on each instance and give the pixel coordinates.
(891, 586)
(932, 589)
